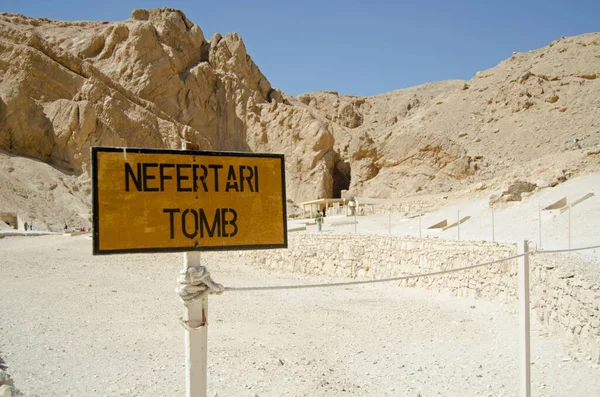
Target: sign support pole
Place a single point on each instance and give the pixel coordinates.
(458, 232)
(122, 179)
(493, 227)
(196, 336)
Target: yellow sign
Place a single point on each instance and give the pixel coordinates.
(150, 200)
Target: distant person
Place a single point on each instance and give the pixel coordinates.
(66, 228)
(25, 226)
(352, 205)
(319, 220)
(324, 209)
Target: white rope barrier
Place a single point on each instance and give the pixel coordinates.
(383, 280)
(195, 282)
(567, 250)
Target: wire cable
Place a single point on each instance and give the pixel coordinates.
(567, 250)
(383, 280)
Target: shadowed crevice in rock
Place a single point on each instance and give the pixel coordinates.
(341, 178)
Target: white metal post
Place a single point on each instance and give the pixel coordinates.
(524, 329)
(493, 227)
(569, 228)
(458, 224)
(540, 223)
(196, 337)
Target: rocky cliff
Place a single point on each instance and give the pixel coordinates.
(154, 80)
(150, 81)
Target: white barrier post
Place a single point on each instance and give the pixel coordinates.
(390, 223)
(196, 326)
(569, 228)
(524, 337)
(196, 337)
(458, 225)
(493, 232)
(540, 223)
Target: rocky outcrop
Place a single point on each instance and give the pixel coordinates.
(513, 192)
(7, 387)
(151, 81)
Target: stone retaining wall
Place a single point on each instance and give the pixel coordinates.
(565, 299)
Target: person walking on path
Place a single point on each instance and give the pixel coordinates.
(352, 205)
(25, 226)
(319, 220)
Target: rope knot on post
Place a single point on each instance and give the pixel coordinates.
(195, 282)
(532, 247)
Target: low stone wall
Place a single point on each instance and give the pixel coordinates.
(565, 295)
(7, 233)
(563, 299)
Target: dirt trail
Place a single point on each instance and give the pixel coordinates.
(77, 325)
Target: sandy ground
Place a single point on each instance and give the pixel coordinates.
(77, 325)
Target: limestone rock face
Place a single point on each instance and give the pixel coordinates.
(151, 81)
(306, 141)
(156, 81)
(525, 119)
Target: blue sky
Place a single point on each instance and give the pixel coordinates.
(360, 47)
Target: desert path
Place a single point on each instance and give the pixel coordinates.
(77, 325)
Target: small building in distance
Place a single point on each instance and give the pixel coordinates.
(332, 206)
(339, 206)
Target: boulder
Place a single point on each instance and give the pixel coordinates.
(518, 187)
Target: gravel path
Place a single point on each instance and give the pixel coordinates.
(76, 325)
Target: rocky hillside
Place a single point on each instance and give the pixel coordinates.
(154, 80)
(534, 116)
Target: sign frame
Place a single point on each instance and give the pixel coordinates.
(95, 150)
